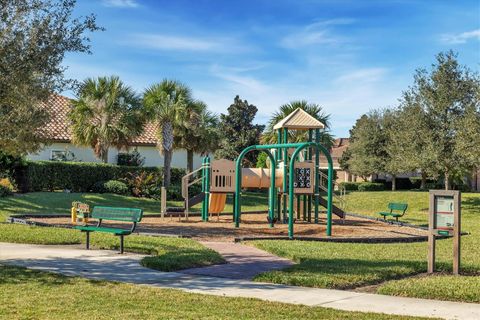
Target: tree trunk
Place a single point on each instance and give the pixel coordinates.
(447, 181)
(394, 183)
(167, 146)
(104, 155)
(189, 162)
(423, 183)
(167, 163)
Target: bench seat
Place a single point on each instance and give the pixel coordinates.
(397, 210)
(390, 214)
(101, 214)
(103, 229)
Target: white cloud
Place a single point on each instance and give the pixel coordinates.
(315, 33)
(451, 38)
(362, 75)
(168, 42)
(120, 3)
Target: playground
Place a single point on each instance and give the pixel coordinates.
(255, 225)
(296, 190)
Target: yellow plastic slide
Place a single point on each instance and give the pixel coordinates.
(217, 202)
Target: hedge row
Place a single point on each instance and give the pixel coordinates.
(362, 186)
(80, 176)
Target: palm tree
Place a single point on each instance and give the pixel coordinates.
(106, 113)
(198, 132)
(316, 111)
(166, 103)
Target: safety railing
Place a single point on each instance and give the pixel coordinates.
(186, 183)
(339, 195)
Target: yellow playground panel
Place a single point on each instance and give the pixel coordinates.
(80, 212)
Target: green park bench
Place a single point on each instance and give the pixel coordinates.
(396, 210)
(102, 214)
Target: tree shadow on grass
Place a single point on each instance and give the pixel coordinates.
(350, 273)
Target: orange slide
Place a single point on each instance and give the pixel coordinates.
(217, 202)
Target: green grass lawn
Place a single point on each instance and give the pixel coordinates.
(342, 265)
(60, 203)
(167, 254)
(27, 294)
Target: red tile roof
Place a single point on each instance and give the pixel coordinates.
(58, 127)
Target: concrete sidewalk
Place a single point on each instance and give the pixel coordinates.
(109, 265)
(243, 262)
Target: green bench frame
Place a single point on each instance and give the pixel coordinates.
(133, 215)
(396, 210)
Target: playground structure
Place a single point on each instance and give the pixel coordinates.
(293, 178)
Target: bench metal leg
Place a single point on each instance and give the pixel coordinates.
(121, 244)
(87, 244)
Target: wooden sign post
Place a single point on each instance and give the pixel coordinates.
(444, 220)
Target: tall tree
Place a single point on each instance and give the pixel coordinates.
(366, 152)
(412, 140)
(35, 35)
(238, 131)
(166, 103)
(107, 113)
(316, 111)
(198, 132)
(449, 95)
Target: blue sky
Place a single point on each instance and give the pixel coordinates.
(347, 56)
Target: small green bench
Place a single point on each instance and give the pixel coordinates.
(396, 210)
(133, 215)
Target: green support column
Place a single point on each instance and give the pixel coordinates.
(285, 160)
(317, 173)
(298, 206)
(207, 188)
(203, 189)
(330, 186)
(309, 197)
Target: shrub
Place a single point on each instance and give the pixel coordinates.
(130, 159)
(116, 187)
(82, 176)
(5, 191)
(371, 186)
(143, 184)
(111, 186)
(349, 186)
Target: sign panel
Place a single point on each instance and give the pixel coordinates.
(444, 212)
(304, 176)
(444, 220)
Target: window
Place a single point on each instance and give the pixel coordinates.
(58, 155)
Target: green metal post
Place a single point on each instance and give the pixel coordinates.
(309, 197)
(207, 188)
(298, 206)
(203, 188)
(330, 186)
(317, 180)
(238, 182)
(285, 160)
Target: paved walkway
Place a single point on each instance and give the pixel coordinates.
(243, 262)
(108, 265)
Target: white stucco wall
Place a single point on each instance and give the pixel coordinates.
(151, 154)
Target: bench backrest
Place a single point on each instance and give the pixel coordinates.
(398, 206)
(117, 214)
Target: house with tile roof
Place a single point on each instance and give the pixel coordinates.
(60, 146)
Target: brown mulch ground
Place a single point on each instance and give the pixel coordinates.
(255, 225)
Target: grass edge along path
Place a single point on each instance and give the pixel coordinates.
(166, 253)
(347, 266)
(29, 294)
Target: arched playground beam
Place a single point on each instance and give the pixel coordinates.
(299, 147)
(291, 173)
(238, 184)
